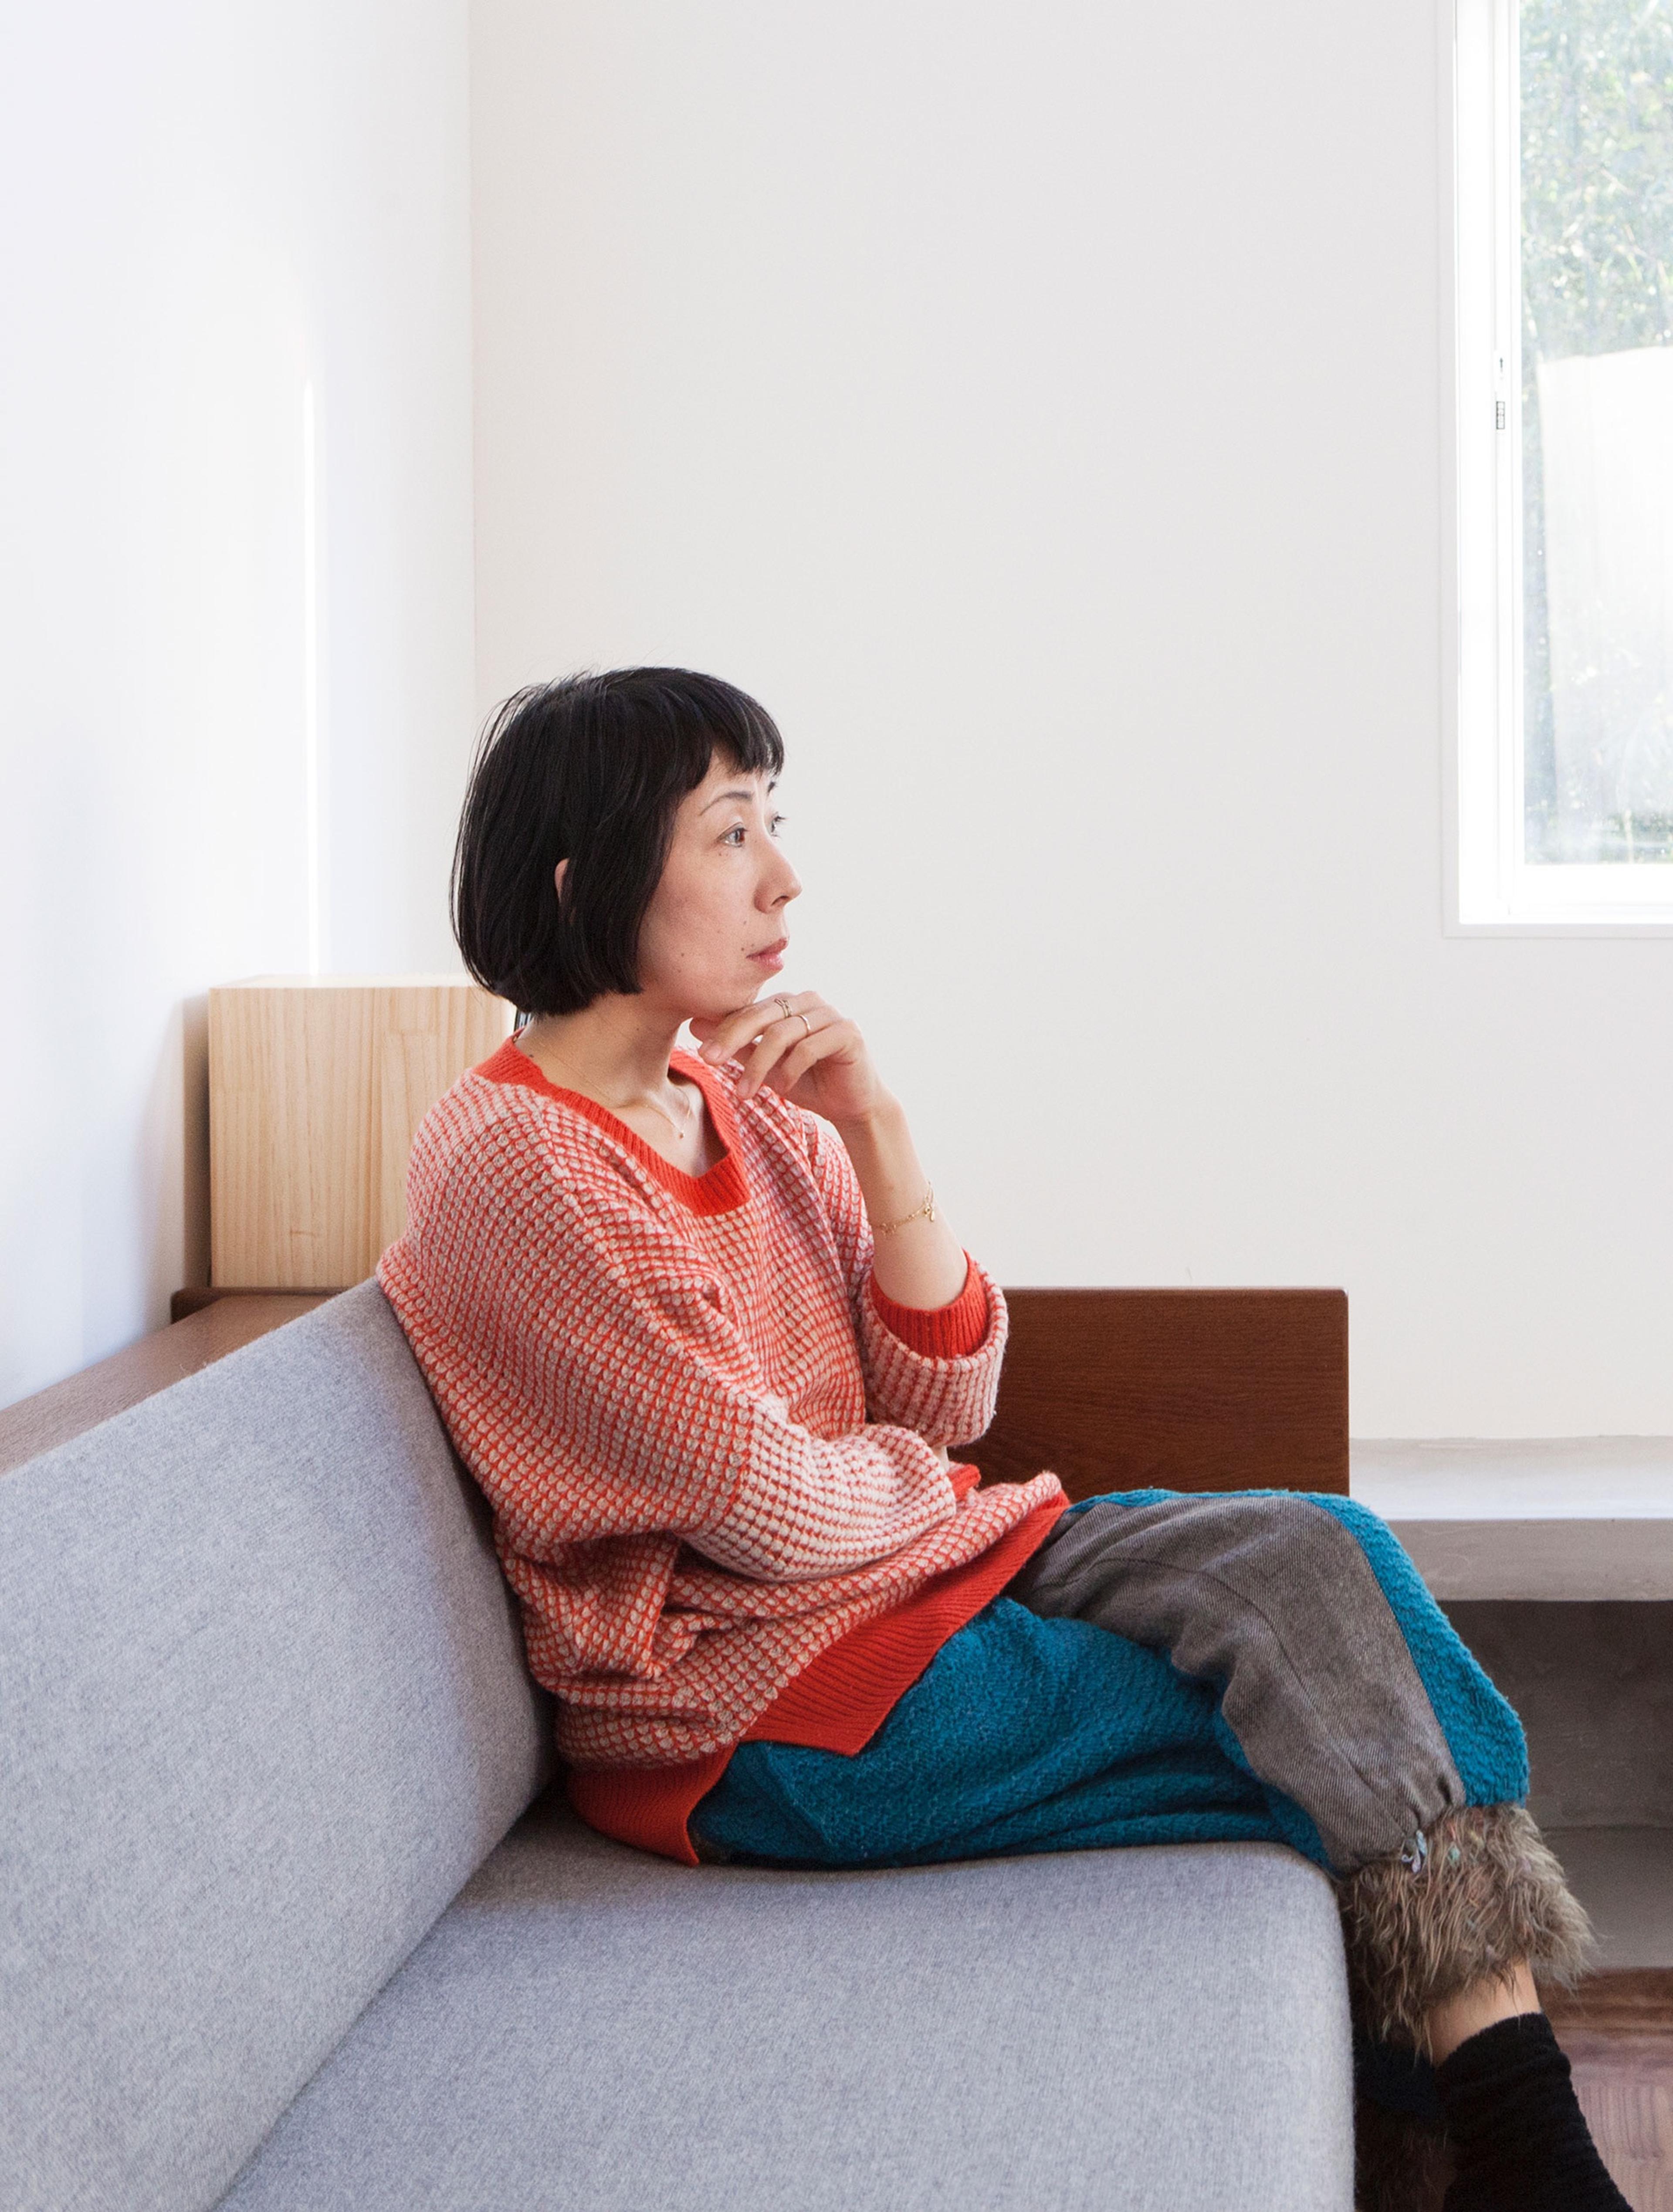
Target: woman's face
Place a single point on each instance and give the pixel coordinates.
(715, 930)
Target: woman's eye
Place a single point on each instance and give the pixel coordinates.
(739, 832)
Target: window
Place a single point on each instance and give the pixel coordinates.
(1563, 170)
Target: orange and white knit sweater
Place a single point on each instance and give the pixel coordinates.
(708, 1456)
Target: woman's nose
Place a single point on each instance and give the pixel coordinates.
(783, 886)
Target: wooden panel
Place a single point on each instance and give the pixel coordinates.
(1617, 2031)
(182, 1304)
(1630, 2001)
(81, 1402)
(317, 1084)
(1175, 1390)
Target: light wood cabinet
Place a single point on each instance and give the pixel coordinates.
(317, 1084)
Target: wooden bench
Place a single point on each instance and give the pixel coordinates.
(1114, 1389)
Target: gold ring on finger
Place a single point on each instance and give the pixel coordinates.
(806, 1025)
(784, 1007)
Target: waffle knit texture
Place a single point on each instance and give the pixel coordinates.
(838, 1701)
(708, 1456)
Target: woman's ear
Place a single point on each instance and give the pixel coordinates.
(558, 874)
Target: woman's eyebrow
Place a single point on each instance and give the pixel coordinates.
(721, 795)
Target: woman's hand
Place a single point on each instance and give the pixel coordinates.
(809, 1053)
(814, 1057)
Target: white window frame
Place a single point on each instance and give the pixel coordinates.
(1493, 890)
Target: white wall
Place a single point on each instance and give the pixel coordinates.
(204, 209)
(1039, 405)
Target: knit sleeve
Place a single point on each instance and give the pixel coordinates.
(950, 1330)
(947, 1396)
(598, 1387)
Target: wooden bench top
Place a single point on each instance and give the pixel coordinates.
(1113, 1389)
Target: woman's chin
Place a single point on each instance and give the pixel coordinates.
(742, 990)
(714, 1009)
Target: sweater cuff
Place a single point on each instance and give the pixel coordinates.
(951, 1332)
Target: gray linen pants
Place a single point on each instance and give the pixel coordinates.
(1271, 1597)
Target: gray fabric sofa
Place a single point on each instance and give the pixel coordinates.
(292, 1918)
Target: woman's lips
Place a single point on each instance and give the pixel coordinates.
(771, 956)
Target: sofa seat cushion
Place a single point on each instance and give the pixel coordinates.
(590, 2028)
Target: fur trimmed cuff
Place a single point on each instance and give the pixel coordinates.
(1488, 1893)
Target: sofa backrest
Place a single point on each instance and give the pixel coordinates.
(263, 1711)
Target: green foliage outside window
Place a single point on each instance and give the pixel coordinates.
(1596, 153)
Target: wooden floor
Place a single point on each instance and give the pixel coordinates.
(1618, 2032)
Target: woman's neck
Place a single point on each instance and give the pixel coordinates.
(615, 1050)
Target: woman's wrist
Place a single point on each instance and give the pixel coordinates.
(921, 1263)
(883, 1125)
(885, 1159)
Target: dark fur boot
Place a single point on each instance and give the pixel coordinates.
(1400, 2164)
(1483, 1893)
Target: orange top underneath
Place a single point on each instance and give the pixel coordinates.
(841, 1698)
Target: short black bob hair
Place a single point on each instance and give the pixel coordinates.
(590, 769)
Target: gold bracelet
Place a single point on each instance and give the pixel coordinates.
(924, 1212)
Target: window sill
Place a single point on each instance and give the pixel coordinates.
(1563, 1519)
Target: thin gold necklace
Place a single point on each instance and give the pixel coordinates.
(680, 1128)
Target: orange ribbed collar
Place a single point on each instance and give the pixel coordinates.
(721, 1190)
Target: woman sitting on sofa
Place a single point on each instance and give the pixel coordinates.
(702, 1334)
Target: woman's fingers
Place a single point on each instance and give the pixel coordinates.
(783, 1046)
(836, 1040)
(727, 1037)
(803, 1060)
(788, 1048)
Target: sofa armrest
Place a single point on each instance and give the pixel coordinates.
(210, 1330)
(1191, 1389)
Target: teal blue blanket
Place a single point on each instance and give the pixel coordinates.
(1030, 1734)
